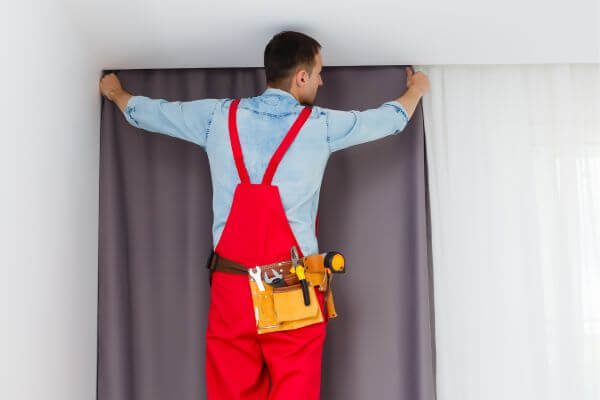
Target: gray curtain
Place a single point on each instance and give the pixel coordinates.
(155, 234)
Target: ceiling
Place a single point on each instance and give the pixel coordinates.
(194, 34)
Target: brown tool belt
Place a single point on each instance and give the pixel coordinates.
(274, 299)
(222, 264)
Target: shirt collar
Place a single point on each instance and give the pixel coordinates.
(271, 91)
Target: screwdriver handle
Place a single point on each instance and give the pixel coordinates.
(299, 271)
(304, 285)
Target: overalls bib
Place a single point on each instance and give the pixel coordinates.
(239, 361)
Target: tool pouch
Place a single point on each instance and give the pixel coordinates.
(289, 306)
(280, 309)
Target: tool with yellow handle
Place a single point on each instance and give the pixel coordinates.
(299, 271)
(332, 261)
(317, 270)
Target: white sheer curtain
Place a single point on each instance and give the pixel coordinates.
(514, 169)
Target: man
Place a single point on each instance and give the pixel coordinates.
(267, 156)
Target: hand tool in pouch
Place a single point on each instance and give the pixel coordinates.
(279, 297)
(299, 271)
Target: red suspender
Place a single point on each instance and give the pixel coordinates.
(235, 143)
(277, 156)
(285, 143)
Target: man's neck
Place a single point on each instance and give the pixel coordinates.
(286, 90)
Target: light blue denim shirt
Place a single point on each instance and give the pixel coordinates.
(262, 124)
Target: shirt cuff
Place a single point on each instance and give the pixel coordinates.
(399, 109)
(129, 111)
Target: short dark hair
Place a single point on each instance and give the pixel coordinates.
(286, 51)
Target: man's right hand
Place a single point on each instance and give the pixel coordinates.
(417, 81)
(417, 84)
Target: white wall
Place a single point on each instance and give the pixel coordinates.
(49, 158)
(191, 33)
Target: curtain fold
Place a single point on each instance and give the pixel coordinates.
(514, 170)
(155, 220)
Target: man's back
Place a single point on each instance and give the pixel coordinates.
(262, 123)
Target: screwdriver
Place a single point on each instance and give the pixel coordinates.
(299, 271)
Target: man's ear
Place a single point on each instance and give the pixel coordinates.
(302, 77)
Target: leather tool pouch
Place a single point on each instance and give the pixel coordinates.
(279, 309)
(283, 308)
(289, 304)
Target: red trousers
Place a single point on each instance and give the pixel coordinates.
(240, 363)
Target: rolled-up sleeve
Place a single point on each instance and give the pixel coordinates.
(187, 120)
(349, 128)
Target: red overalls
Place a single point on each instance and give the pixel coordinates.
(239, 361)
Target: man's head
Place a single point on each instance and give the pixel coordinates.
(293, 63)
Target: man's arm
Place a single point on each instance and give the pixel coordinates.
(409, 100)
(187, 120)
(120, 97)
(349, 128)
